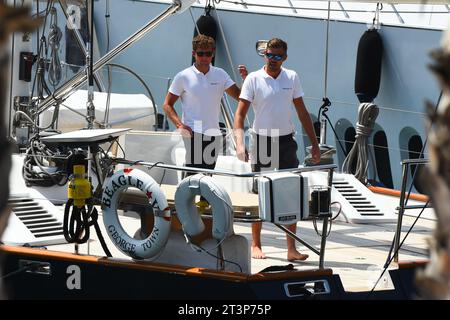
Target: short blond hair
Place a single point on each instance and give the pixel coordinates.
(203, 42)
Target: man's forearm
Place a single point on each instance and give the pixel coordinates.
(239, 130)
(309, 129)
(172, 115)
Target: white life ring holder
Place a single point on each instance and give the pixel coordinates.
(138, 249)
(218, 198)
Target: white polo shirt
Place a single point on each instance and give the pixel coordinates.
(200, 96)
(272, 100)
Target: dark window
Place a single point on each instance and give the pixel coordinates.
(415, 152)
(382, 161)
(349, 137)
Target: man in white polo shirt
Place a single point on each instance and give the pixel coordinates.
(200, 89)
(272, 91)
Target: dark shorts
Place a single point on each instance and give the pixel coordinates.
(264, 148)
(202, 151)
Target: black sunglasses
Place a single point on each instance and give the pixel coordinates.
(204, 53)
(275, 57)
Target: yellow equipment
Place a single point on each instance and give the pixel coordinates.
(79, 186)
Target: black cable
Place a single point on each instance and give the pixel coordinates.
(323, 109)
(218, 258)
(335, 134)
(106, 161)
(42, 178)
(41, 83)
(339, 212)
(164, 174)
(93, 214)
(317, 230)
(76, 224)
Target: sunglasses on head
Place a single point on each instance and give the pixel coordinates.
(204, 53)
(275, 57)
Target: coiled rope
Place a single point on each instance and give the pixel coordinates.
(54, 39)
(367, 114)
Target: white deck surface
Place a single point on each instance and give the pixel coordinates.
(356, 252)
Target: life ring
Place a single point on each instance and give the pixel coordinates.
(155, 242)
(218, 198)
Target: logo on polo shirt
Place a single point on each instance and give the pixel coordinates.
(287, 88)
(214, 83)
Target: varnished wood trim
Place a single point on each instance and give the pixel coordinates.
(266, 276)
(396, 193)
(412, 264)
(41, 254)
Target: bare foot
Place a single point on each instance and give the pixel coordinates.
(257, 253)
(295, 256)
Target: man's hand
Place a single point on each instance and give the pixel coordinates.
(242, 153)
(185, 131)
(243, 71)
(315, 154)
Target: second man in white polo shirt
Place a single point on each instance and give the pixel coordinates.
(273, 91)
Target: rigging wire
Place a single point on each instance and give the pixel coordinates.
(91, 43)
(224, 102)
(412, 182)
(109, 71)
(398, 249)
(150, 95)
(400, 108)
(108, 68)
(326, 53)
(230, 60)
(207, 251)
(193, 21)
(322, 9)
(423, 149)
(227, 48)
